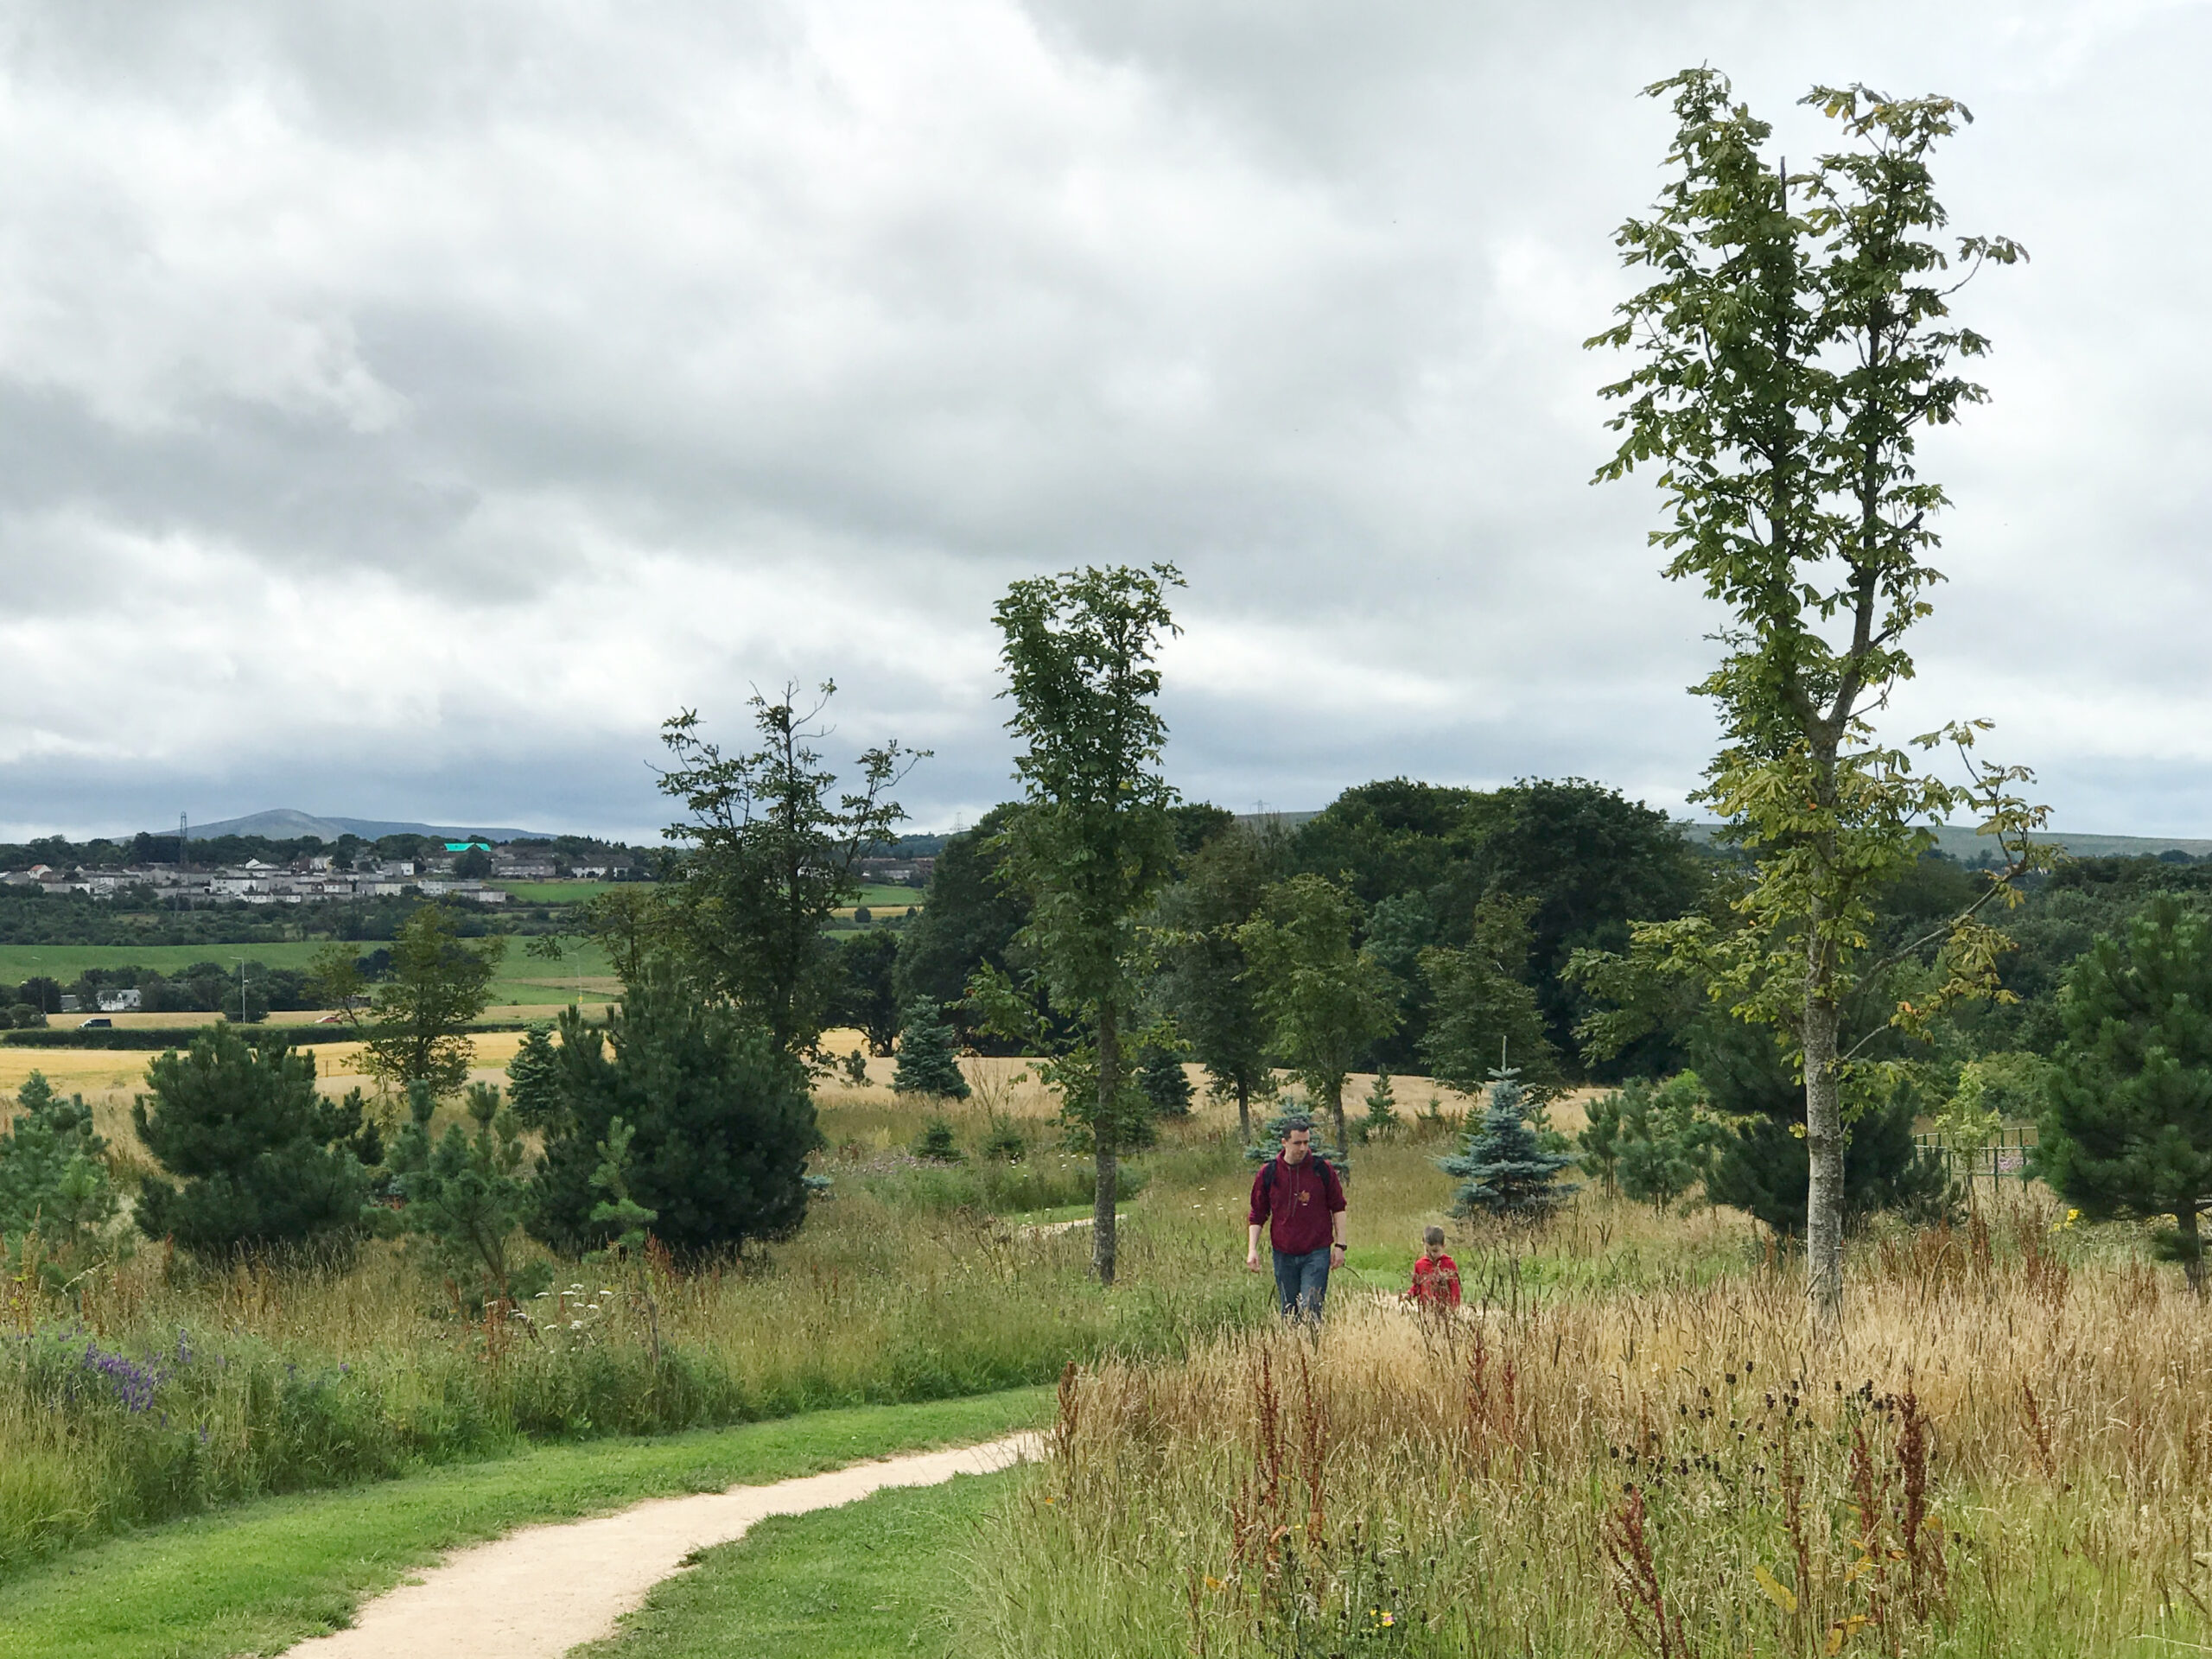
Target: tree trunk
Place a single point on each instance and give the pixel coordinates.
(1106, 1139)
(1243, 1111)
(1337, 1112)
(1824, 1145)
(2192, 1260)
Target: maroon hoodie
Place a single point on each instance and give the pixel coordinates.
(1298, 1200)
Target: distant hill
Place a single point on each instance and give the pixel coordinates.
(1962, 843)
(289, 824)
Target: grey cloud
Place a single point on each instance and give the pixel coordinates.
(628, 356)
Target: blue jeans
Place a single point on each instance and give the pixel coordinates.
(1302, 1282)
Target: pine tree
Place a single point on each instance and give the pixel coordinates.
(1503, 1167)
(721, 1125)
(1382, 1119)
(266, 1161)
(54, 1173)
(467, 1193)
(927, 1063)
(2127, 1129)
(1165, 1083)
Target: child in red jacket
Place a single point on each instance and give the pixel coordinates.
(1436, 1275)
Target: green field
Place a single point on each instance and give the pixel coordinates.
(64, 962)
(522, 979)
(554, 892)
(876, 896)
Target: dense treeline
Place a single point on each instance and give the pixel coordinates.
(1427, 873)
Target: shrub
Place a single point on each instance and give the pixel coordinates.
(721, 1120)
(935, 1145)
(265, 1159)
(1005, 1143)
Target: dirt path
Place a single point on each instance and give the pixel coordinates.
(536, 1593)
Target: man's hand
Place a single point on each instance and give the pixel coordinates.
(1251, 1260)
(1338, 1251)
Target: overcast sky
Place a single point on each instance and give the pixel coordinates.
(404, 407)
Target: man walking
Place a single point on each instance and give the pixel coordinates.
(1301, 1202)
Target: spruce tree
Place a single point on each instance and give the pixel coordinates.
(2127, 1132)
(1165, 1083)
(1291, 1113)
(54, 1173)
(534, 1079)
(266, 1161)
(1503, 1167)
(927, 1063)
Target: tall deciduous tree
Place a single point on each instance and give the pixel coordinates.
(1207, 983)
(2127, 1128)
(437, 984)
(1324, 1000)
(1486, 1016)
(1794, 344)
(770, 845)
(1094, 841)
(864, 996)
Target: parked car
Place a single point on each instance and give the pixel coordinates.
(97, 1022)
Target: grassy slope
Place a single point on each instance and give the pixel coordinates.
(265, 1574)
(872, 1578)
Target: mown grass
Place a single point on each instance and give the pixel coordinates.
(884, 1575)
(256, 1579)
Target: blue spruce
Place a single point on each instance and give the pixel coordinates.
(1503, 1168)
(929, 1063)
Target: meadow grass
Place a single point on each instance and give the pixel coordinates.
(153, 1386)
(2004, 1453)
(256, 1579)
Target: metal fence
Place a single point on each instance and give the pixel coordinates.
(2005, 1159)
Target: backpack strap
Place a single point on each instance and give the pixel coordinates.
(1267, 1174)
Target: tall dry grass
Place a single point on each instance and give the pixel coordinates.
(2005, 1454)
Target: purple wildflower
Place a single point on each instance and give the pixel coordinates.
(133, 1383)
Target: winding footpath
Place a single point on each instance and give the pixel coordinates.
(538, 1593)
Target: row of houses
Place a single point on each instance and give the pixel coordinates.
(311, 880)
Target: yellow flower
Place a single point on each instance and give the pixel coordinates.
(1389, 1618)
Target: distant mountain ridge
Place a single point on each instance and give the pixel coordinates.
(289, 824)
